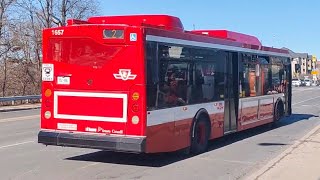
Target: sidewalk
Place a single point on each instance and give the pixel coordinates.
(300, 161)
(19, 107)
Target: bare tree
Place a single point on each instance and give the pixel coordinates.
(4, 5)
(78, 9)
(40, 14)
(21, 38)
(4, 40)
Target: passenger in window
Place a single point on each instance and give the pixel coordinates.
(172, 82)
(171, 97)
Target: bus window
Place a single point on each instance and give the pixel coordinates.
(208, 83)
(173, 84)
(208, 75)
(278, 74)
(265, 75)
(152, 74)
(277, 78)
(248, 76)
(171, 52)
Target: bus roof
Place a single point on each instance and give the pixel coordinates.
(233, 36)
(161, 21)
(174, 24)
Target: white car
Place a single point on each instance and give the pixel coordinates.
(314, 83)
(296, 82)
(307, 82)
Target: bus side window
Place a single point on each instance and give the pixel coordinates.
(152, 67)
(247, 76)
(173, 85)
(196, 90)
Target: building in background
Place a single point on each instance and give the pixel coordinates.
(309, 64)
(304, 65)
(317, 65)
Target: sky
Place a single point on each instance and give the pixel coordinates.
(293, 24)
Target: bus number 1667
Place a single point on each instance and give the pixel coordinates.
(57, 32)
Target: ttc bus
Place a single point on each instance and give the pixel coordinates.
(143, 84)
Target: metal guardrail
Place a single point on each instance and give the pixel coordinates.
(13, 99)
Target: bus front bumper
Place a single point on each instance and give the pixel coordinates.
(103, 142)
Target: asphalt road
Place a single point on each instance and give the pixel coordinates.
(232, 157)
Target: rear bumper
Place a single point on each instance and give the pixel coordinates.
(104, 142)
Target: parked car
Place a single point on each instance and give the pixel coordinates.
(296, 82)
(307, 82)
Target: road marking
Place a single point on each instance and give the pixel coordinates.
(305, 100)
(17, 144)
(309, 105)
(305, 89)
(89, 165)
(19, 118)
(239, 162)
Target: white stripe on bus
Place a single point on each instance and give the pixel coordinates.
(210, 45)
(167, 115)
(254, 121)
(262, 97)
(266, 101)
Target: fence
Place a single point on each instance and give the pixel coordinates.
(22, 99)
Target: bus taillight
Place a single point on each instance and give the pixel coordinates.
(135, 107)
(48, 93)
(135, 96)
(47, 103)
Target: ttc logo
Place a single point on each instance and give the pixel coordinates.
(219, 106)
(125, 74)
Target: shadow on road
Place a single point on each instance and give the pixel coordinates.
(149, 160)
(163, 159)
(294, 118)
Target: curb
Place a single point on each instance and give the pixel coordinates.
(256, 175)
(19, 109)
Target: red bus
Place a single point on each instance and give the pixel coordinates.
(143, 84)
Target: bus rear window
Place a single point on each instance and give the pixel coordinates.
(81, 51)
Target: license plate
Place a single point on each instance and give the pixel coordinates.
(63, 80)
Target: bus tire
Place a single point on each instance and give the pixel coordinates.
(200, 135)
(278, 111)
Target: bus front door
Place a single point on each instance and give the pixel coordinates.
(230, 95)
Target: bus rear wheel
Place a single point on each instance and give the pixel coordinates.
(200, 137)
(278, 112)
